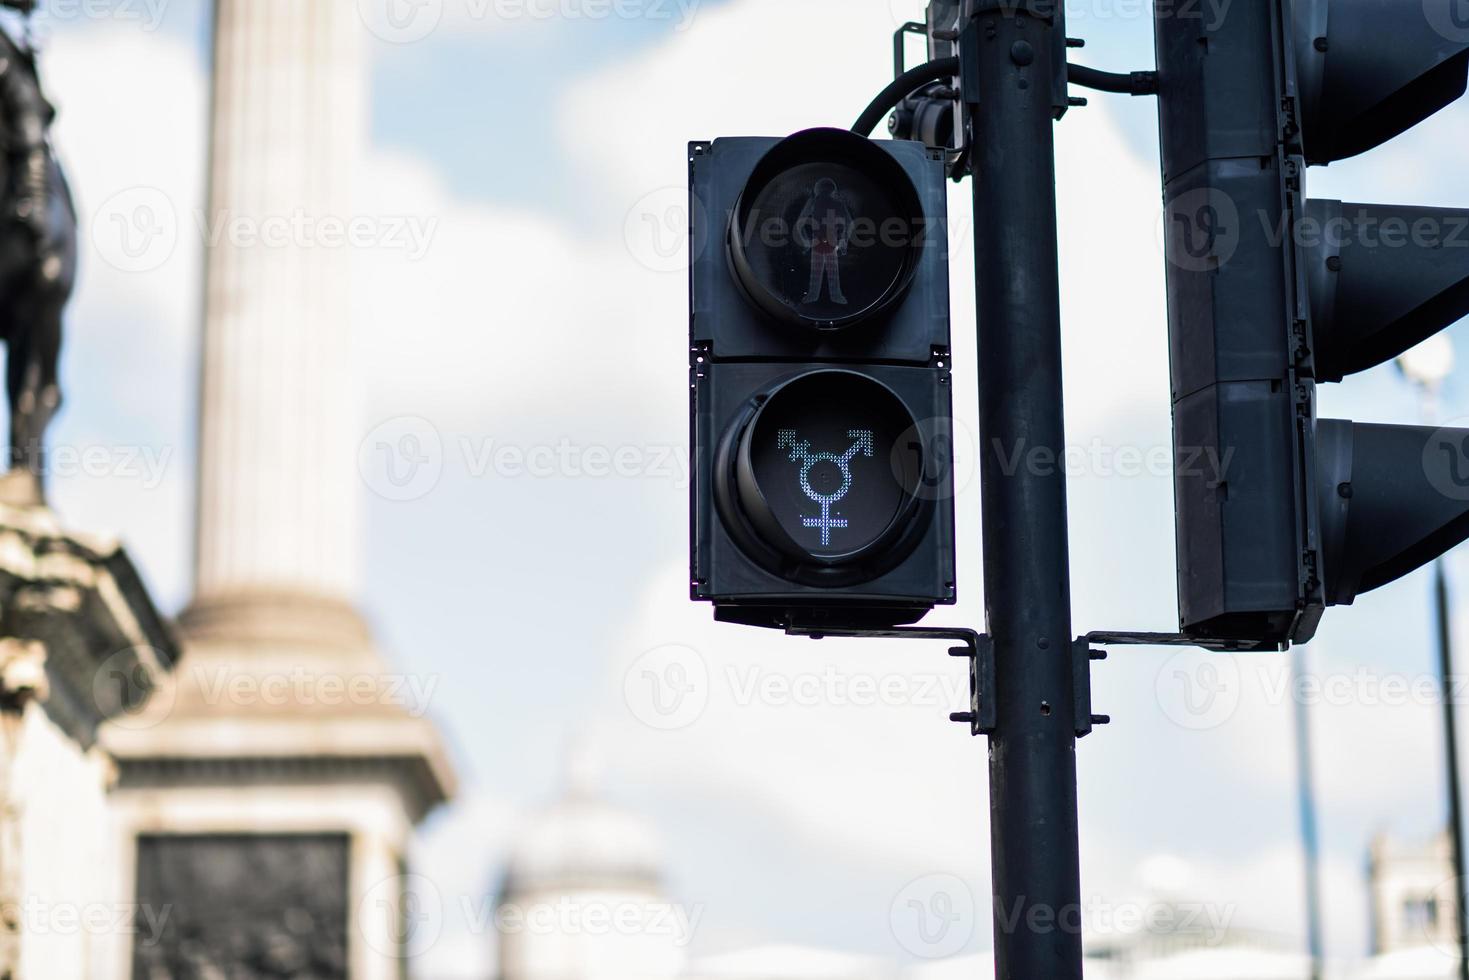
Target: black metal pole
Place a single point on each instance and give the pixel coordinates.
(1310, 841)
(1451, 761)
(1008, 58)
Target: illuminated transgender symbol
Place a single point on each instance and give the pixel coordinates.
(801, 453)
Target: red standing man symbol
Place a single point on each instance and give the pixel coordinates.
(824, 229)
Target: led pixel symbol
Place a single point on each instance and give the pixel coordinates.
(801, 453)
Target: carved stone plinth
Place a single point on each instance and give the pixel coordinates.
(266, 741)
(80, 642)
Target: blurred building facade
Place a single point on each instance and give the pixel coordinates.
(1413, 901)
(1198, 953)
(588, 859)
(583, 897)
(267, 796)
(80, 642)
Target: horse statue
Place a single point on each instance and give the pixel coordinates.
(38, 263)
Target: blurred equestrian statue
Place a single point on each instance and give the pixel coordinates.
(38, 262)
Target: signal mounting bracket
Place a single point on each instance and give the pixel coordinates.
(1123, 638)
(978, 647)
(900, 37)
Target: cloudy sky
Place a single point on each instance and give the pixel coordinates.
(538, 313)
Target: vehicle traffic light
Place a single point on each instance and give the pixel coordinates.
(933, 114)
(1280, 514)
(819, 377)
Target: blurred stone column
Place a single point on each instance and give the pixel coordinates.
(279, 421)
(267, 797)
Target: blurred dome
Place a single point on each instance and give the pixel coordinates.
(580, 857)
(584, 842)
(581, 843)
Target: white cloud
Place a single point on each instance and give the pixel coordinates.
(506, 317)
(755, 68)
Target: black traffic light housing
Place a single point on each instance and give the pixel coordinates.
(1381, 279)
(1368, 70)
(820, 396)
(1280, 514)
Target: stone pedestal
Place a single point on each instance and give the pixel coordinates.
(80, 642)
(276, 749)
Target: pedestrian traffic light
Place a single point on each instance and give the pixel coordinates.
(819, 376)
(1280, 514)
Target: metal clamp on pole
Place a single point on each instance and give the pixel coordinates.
(981, 716)
(1082, 656)
(978, 647)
